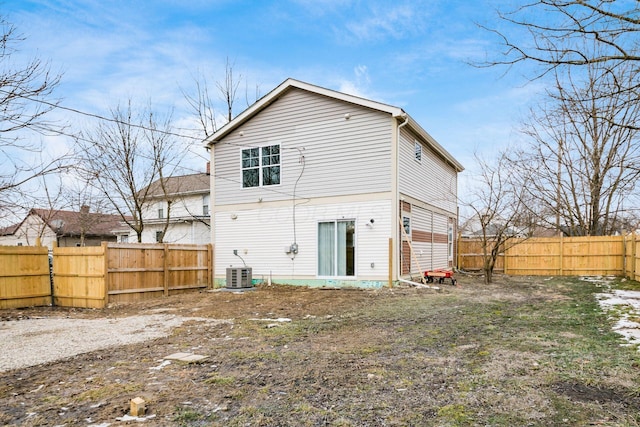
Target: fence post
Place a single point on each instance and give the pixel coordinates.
(105, 256)
(51, 275)
(166, 270)
(505, 248)
(633, 256)
(624, 255)
(390, 268)
(561, 260)
(209, 266)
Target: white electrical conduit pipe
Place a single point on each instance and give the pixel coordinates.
(420, 285)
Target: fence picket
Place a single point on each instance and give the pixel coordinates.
(571, 256)
(92, 277)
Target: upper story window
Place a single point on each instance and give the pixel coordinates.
(261, 166)
(205, 204)
(417, 147)
(160, 211)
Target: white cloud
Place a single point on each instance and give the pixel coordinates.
(359, 85)
(382, 21)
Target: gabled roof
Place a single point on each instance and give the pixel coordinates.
(70, 223)
(7, 231)
(290, 84)
(181, 185)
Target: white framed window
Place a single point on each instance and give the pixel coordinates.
(406, 224)
(124, 238)
(337, 248)
(159, 236)
(160, 207)
(261, 166)
(205, 204)
(417, 149)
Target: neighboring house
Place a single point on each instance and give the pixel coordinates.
(65, 228)
(309, 186)
(492, 230)
(184, 202)
(472, 229)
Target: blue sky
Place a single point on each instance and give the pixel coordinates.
(412, 54)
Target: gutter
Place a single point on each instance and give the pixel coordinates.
(396, 209)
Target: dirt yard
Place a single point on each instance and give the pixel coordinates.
(526, 351)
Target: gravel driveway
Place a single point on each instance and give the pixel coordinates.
(29, 342)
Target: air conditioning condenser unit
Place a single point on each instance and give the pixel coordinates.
(239, 277)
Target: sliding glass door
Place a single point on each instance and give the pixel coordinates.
(336, 248)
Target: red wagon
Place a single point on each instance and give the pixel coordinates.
(440, 274)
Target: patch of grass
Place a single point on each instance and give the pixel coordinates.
(186, 416)
(241, 356)
(215, 379)
(108, 391)
(519, 352)
(454, 413)
(54, 400)
(5, 390)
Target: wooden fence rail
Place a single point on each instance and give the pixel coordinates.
(24, 276)
(559, 256)
(119, 272)
(92, 277)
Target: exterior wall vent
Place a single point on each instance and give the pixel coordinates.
(239, 277)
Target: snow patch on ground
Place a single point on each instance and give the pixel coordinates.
(625, 308)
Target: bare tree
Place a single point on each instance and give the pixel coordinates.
(25, 100)
(166, 158)
(204, 107)
(228, 88)
(497, 206)
(555, 33)
(583, 156)
(123, 157)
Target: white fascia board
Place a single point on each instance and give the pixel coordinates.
(179, 194)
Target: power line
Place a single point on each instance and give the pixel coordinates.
(99, 117)
(114, 120)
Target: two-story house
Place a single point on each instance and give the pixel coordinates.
(315, 187)
(182, 204)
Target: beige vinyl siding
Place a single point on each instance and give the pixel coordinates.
(432, 180)
(341, 157)
(261, 235)
(428, 231)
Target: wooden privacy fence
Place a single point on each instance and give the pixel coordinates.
(118, 272)
(24, 276)
(559, 256)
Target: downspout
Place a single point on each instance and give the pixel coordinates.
(211, 170)
(396, 209)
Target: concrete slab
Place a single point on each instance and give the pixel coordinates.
(186, 357)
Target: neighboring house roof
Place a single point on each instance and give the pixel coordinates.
(289, 84)
(181, 185)
(70, 223)
(8, 231)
